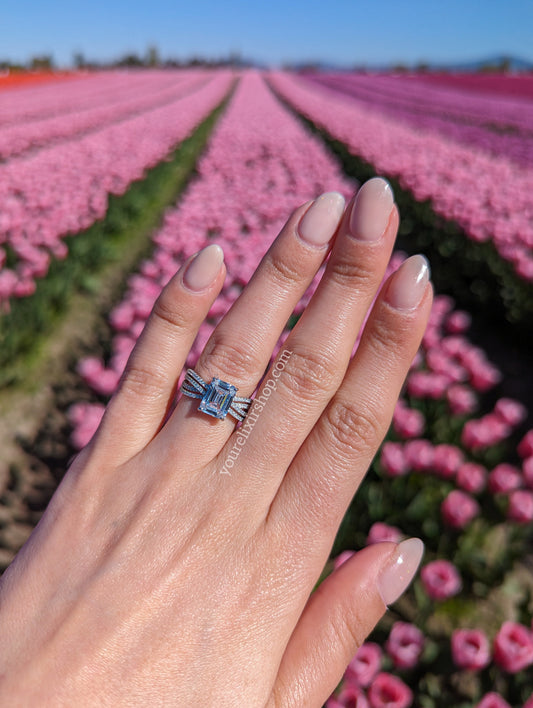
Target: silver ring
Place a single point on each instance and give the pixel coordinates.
(217, 397)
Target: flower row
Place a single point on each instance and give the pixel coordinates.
(64, 189)
(498, 126)
(489, 197)
(126, 100)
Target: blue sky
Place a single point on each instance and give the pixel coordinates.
(339, 31)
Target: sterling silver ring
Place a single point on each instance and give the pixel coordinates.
(217, 397)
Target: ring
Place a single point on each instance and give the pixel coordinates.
(217, 397)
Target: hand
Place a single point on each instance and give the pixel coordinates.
(152, 578)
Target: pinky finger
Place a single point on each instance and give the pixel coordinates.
(139, 406)
(338, 617)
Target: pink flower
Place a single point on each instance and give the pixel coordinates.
(493, 700)
(440, 579)
(471, 477)
(520, 506)
(351, 696)
(529, 702)
(504, 478)
(420, 454)
(527, 472)
(447, 460)
(470, 649)
(461, 399)
(458, 509)
(405, 645)
(458, 322)
(85, 417)
(484, 376)
(365, 665)
(342, 558)
(388, 691)
(510, 411)
(383, 532)
(393, 459)
(408, 422)
(525, 447)
(513, 647)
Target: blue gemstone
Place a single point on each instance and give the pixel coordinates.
(217, 398)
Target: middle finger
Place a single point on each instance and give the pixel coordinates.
(319, 347)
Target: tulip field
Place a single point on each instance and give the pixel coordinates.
(456, 468)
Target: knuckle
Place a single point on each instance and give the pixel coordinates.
(165, 309)
(310, 376)
(222, 357)
(352, 429)
(389, 335)
(282, 270)
(146, 383)
(348, 271)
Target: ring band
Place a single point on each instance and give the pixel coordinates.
(217, 397)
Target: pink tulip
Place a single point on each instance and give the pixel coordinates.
(342, 558)
(380, 532)
(470, 649)
(365, 665)
(493, 700)
(461, 399)
(520, 506)
(405, 645)
(393, 459)
(388, 691)
(511, 412)
(420, 454)
(513, 647)
(447, 460)
(352, 696)
(458, 509)
(504, 478)
(471, 477)
(525, 447)
(458, 322)
(408, 422)
(527, 471)
(440, 579)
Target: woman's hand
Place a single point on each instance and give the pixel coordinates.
(157, 578)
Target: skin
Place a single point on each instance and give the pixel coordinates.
(154, 580)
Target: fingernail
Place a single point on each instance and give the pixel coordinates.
(204, 268)
(371, 209)
(320, 221)
(408, 284)
(395, 578)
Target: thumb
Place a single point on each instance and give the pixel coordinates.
(338, 617)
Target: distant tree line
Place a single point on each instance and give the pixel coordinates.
(150, 59)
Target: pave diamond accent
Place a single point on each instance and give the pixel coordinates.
(217, 398)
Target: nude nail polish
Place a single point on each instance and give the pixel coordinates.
(396, 577)
(408, 284)
(371, 210)
(321, 220)
(203, 268)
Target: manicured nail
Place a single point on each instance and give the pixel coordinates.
(320, 221)
(395, 578)
(371, 209)
(408, 284)
(204, 268)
